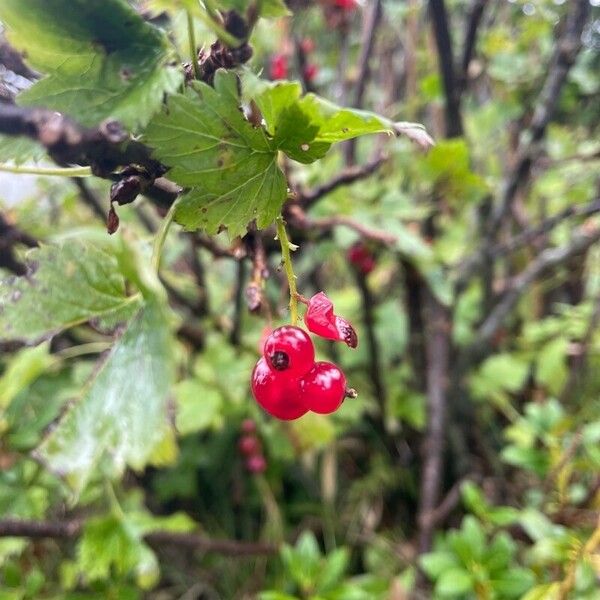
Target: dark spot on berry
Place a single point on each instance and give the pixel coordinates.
(279, 360)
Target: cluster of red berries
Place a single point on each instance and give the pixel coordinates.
(251, 448)
(279, 65)
(287, 382)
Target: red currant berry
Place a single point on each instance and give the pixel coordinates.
(276, 392)
(256, 464)
(361, 258)
(248, 426)
(289, 349)
(323, 388)
(279, 67)
(249, 445)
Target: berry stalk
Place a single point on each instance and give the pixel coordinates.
(286, 256)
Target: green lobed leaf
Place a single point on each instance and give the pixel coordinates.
(305, 127)
(230, 166)
(122, 416)
(101, 59)
(20, 150)
(65, 285)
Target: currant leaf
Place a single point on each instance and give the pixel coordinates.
(20, 150)
(122, 416)
(230, 166)
(266, 8)
(305, 127)
(101, 59)
(65, 285)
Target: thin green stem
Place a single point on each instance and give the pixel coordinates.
(82, 350)
(161, 236)
(192, 42)
(227, 38)
(286, 256)
(212, 11)
(54, 172)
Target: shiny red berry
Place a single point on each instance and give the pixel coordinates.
(277, 392)
(256, 464)
(323, 388)
(289, 350)
(249, 445)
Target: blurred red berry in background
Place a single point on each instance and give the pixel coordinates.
(361, 258)
(311, 71)
(279, 67)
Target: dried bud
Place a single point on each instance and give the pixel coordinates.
(112, 222)
(126, 190)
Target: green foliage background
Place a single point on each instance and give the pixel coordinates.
(123, 386)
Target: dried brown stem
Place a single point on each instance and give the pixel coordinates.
(73, 528)
(349, 175)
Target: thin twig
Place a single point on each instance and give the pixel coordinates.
(9, 236)
(349, 175)
(579, 366)
(546, 260)
(473, 22)
(443, 43)
(299, 219)
(90, 198)
(376, 368)
(467, 269)
(73, 529)
(372, 22)
(567, 48)
(437, 345)
(437, 316)
(236, 330)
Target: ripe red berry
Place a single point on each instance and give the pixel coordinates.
(310, 72)
(248, 426)
(361, 258)
(249, 445)
(278, 393)
(256, 463)
(323, 388)
(289, 349)
(279, 67)
(320, 319)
